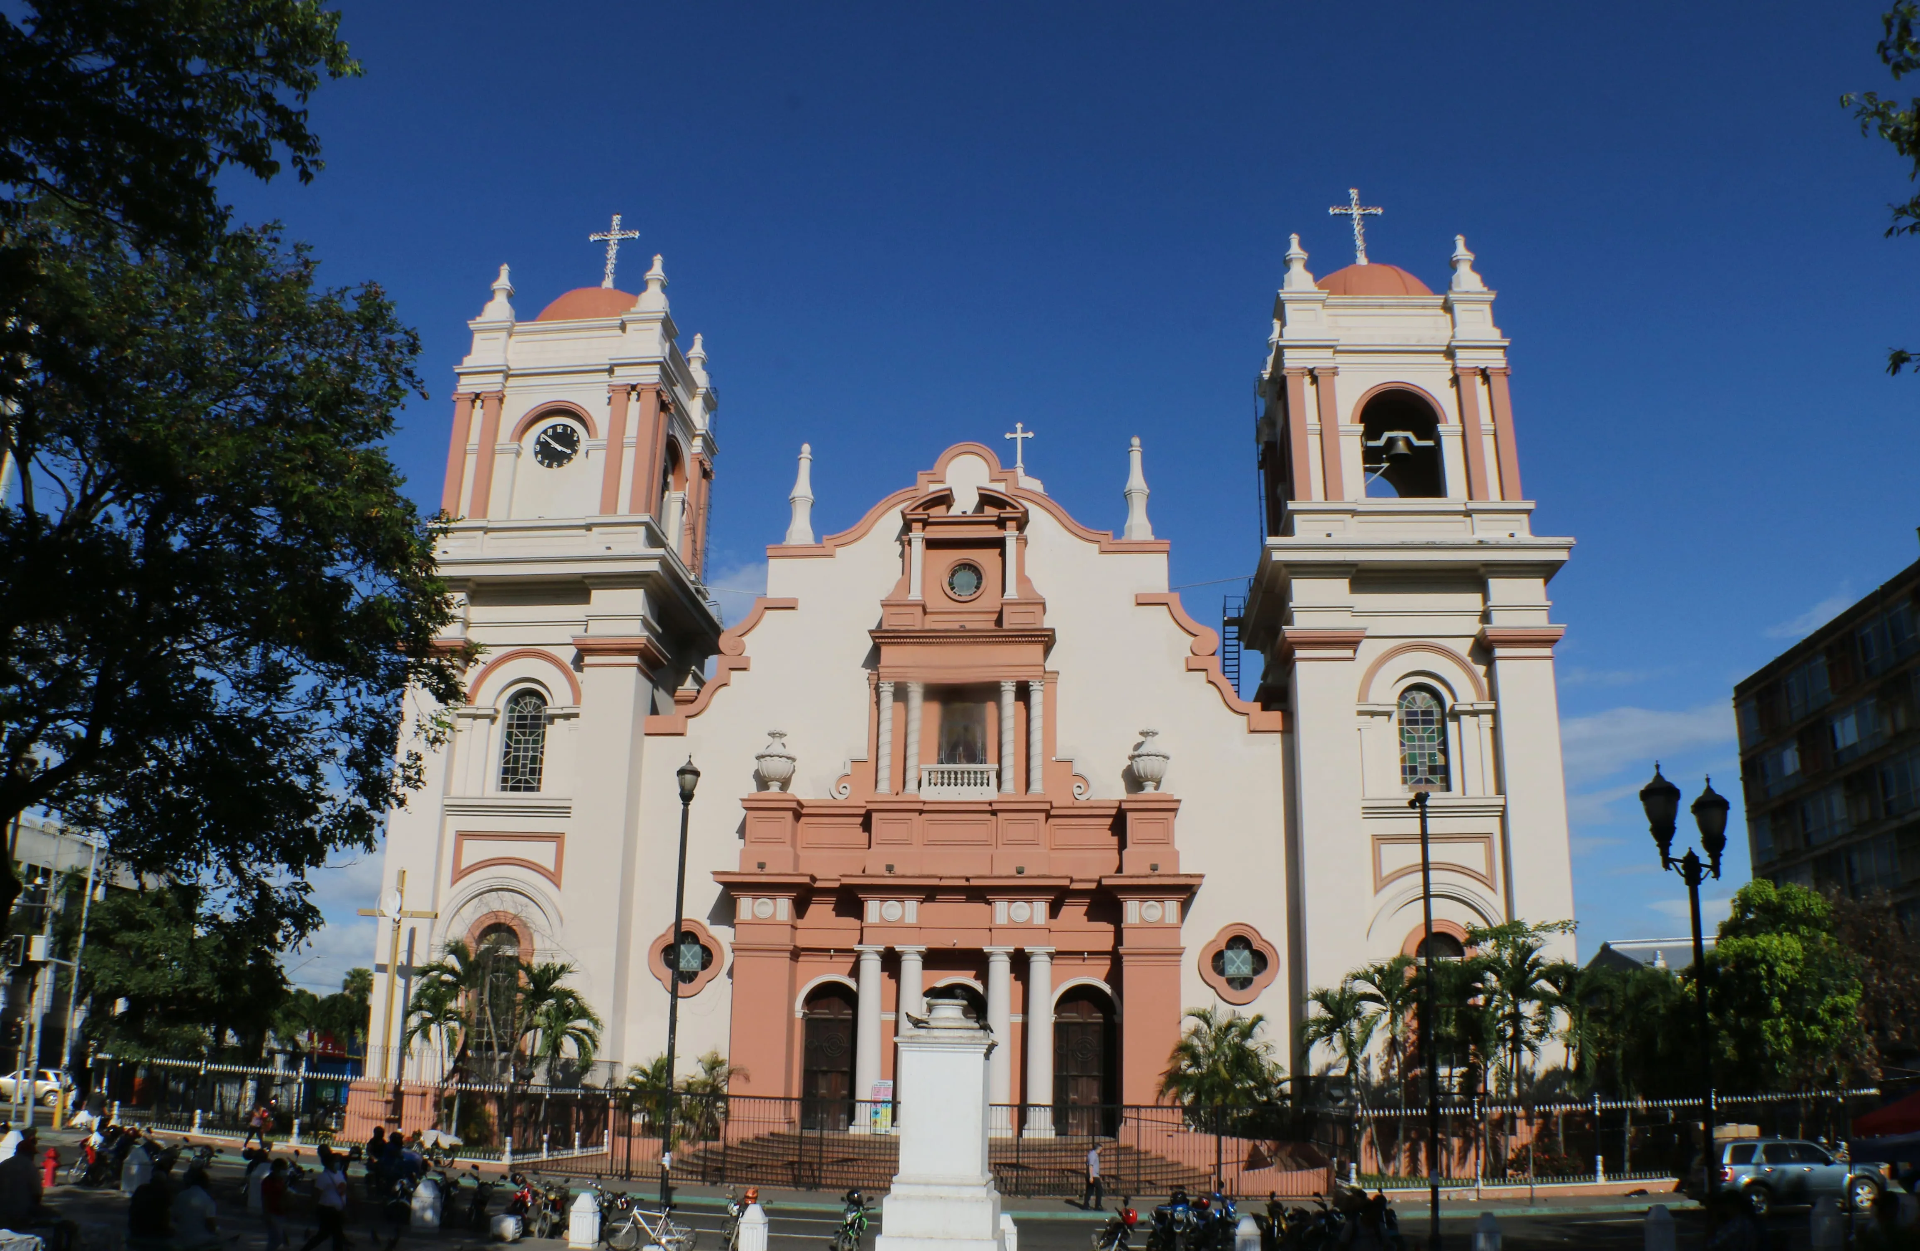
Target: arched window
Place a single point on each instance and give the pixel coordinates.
(523, 746)
(1423, 740)
(1445, 947)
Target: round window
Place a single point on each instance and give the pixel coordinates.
(964, 580)
(688, 958)
(1239, 962)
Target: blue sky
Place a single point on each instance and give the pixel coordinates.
(899, 226)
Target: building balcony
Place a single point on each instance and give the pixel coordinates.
(948, 781)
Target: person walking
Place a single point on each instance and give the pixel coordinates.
(273, 1205)
(329, 1203)
(257, 1126)
(1094, 1195)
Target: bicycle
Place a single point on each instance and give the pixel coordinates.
(853, 1223)
(650, 1229)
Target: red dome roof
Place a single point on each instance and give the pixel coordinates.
(1373, 279)
(583, 302)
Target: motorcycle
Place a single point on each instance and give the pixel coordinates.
(483, 1188)
(1115, 1235)
(1174, 1224)
(853, 1223)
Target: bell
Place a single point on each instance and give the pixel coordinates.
(1397, 444)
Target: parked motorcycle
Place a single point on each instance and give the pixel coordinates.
(1174, 1224)
(1116, 1234)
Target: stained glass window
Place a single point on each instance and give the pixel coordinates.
(1423, 740)
(689, 957)
(1239, 962)
(524, 745)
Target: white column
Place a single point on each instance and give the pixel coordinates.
(866, 1043)
(1039, 1098)
(1007, 778)
(912, 771)
(909, 998)
(1012, 583)
(883, 749)
(1036, 739)
(916, 562)
(1000, 1021)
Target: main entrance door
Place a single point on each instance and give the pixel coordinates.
(1086, 1068)
(826, 1078)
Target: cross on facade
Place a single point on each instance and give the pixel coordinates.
(1019, 436)
(613, 235)
(393, 906)
(1350, 209)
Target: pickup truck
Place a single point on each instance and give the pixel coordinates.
(47, 1085)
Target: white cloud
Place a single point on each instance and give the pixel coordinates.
(1577, 676)
(1712, 911)
(1815, 617)
(346, 940)
(737, 586)
(1597, 746)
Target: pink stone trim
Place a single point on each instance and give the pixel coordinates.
(462, 867)
(1519, 640)
(1504, 445)
(1438, 649)
(551, 408)
(1467, 389)
(1205, 659)
(1297, 434)
(1411, 946)
(1315, 643)
(457, 454)
(490, 402)
(473, 690)
(733, 656)
(486, 921)
(1239, 998)
(619, 401)
(1360, 405)
(657, 962)
(1330, 471)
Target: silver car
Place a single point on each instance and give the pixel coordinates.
(1788, 1172)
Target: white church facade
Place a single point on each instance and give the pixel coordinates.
(972, 747)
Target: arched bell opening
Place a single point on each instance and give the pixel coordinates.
(1401, 447)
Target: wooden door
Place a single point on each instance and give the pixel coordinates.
(1085, 1068)
(826, 1085)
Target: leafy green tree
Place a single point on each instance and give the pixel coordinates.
(555, 1019)
(1389, 986)
(1343, 1025)
(1889, 975)
(1786, 997)
(195, 981)
(1521, 986)
(1897, 122)
(1463, 1034)
(1628, 1032)
(1222, 1061)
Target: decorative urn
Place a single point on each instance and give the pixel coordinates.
(1148, 761)
(776, 762)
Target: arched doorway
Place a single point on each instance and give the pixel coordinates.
(826, 1076)
(1086, 1063)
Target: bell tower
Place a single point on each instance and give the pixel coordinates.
(1400, 604)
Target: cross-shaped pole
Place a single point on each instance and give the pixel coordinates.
(392, 905)
(1350, 209)
(1019, 436)
(613, 235)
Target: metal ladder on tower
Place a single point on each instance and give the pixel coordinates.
(1232, 609)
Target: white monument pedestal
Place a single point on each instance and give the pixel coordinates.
(943, 1197)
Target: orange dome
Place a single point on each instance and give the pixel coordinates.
(1373, 279)
(583, 302)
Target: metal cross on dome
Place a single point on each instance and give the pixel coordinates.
(1019, 436)
(1351, 209)
(613, 235)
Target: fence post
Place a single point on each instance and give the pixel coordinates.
(506, 1152)
(296, 1131)
(753, 1229)
(576, 1142)
(1599, 1170)
(196, 1118)
(1659, 1228)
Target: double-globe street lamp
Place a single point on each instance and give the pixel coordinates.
(685, 956)
(1661, 799)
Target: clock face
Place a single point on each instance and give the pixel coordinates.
(965, 581)
(556, 445)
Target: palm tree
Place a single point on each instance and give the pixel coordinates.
(1222, 1063)
(433, 1010)
(1343, 1024)
(551, 1016)
(467, 980)
(702, 1116)
(1389, 986)
(1521, 988)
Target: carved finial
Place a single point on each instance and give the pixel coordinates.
(1138, 527)
(775, 762)
(800, 529)
(697, 359)
(498, 309)
(1297, 279)
(655, 296)
(1148, 761)
(1464, 279)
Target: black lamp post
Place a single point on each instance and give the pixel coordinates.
(688, 777)
(1661, 799)
(1428, 1025)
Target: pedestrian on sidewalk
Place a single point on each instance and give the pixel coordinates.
(256, 1126)
(329, 1203)
(1094, 1194)
(273, 1205)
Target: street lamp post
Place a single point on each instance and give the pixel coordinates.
(688, 777)
(1428, 1059)
(1661, 799)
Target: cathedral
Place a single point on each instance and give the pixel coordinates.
(972, 746)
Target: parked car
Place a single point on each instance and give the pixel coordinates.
(1787, 1172)
(47, 1085)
